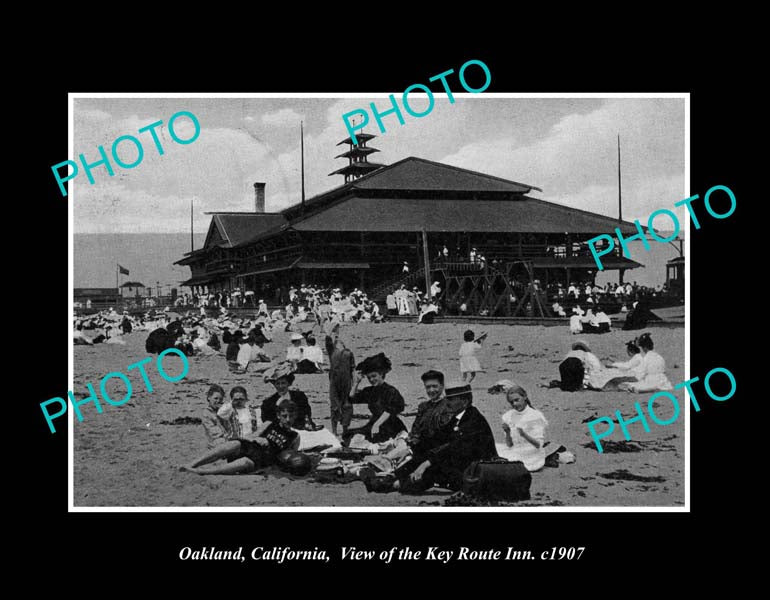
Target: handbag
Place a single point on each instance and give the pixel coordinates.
(497, 480)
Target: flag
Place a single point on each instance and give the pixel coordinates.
(122, 270)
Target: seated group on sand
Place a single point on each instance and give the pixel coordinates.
(644, 371)
(448, 433)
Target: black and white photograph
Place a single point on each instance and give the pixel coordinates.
(304, 302)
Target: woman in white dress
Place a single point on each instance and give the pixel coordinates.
(596, 376)
(631, 366)
(623, 372)
(651, 373)
(524, 429)
(575, 321)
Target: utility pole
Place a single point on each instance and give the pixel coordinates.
(302, 161)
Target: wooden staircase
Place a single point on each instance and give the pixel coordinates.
(409, 280)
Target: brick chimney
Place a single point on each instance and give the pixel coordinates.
(259, 197)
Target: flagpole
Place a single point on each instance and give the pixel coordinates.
(302, 159)
(620, 208)
(620, 201)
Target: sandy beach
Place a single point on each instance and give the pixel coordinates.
(129, 455)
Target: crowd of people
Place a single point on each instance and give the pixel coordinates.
(448, 435)
(414, 302)
(195, 331)
(291, 296)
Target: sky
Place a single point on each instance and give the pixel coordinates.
(566, 147)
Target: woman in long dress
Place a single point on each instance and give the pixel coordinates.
(524, 429)
(411, 301)
(575, 322)
(383, 400)
(596, 376)
(403, 305)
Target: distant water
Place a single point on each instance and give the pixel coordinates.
(150, 256)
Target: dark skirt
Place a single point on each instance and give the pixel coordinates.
(388, 430)
(572, 372)
(307, 367)
(600, 328)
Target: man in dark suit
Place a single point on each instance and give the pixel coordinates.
(441, 457)
(465, 438)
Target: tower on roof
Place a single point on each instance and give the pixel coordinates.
(358, 158)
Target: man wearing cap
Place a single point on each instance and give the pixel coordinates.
(432, 414)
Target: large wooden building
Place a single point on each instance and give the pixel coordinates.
(361, 233)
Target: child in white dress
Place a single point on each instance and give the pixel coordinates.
(524, 429)
(651, 373)
(469, 364)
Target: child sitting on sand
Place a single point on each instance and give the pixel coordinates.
(651, 372)
(217, 429)
(469, 364)
(524, 429)
(242, 419)
(267, 446)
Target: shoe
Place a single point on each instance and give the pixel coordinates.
(376, 484)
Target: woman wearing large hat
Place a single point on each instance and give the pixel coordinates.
(282, 376)
(384, 401)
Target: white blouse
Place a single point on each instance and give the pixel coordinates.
(533, 423)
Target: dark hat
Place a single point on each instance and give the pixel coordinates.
(459, 397)
(378, 362)
(294, 462)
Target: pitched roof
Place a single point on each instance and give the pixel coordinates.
(420, 174)
(236, 228)
(524, 215)
(360, 137)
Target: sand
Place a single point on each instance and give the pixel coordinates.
(128, 456)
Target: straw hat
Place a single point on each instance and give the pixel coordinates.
(282, 369)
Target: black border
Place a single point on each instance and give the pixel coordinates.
(148, 543)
